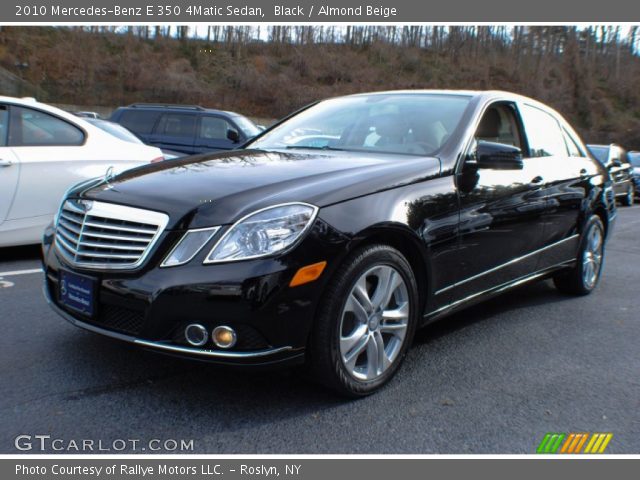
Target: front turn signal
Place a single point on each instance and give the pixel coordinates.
(307, 274)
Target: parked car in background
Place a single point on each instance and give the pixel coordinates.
(333, 252)
(115, 129)
(634, 159)
(45, 150)
(614, 158)
(186, 128)
(87, 114)
(127, 135)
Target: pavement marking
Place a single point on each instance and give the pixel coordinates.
(20, 272)
(6, 283)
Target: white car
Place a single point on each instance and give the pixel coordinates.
(44, 151)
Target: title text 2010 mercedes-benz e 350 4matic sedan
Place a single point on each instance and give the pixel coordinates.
(335, 234)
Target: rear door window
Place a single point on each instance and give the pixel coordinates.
(139, 121)
(177, 125)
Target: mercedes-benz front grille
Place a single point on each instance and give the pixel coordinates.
(106, 236)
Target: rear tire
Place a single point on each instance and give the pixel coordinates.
(583, 278)
(365, 323)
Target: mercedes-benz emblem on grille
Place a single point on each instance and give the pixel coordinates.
(85, 205)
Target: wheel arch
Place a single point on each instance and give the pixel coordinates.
(409, 245)
(601, 212)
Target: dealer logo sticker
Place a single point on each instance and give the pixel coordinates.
(574, 443)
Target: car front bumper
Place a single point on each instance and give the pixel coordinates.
(151, 307)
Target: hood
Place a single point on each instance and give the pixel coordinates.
(217, 189)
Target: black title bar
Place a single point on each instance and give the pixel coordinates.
(306, 11)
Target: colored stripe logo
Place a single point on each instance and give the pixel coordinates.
(574, 443)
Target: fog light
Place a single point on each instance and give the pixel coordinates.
(196, 334)
(224, 337)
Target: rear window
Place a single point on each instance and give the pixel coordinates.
(139, 121)
(115, 129)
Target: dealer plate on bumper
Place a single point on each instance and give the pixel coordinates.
(77, 292)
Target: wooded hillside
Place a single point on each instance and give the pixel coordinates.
(591, 75)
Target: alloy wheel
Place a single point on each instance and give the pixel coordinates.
(374, 322)
(592, 257)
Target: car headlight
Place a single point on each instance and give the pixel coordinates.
(189, 246)
(264, 232)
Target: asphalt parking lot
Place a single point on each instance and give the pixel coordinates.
(492, 379)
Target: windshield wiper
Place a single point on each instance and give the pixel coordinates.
(313, 147)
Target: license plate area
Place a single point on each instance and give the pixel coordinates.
(77, 292)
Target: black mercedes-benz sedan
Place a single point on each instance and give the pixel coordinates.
(332, 236)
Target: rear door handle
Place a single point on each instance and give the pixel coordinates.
(5, 163)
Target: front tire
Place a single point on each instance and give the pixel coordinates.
(584, 277)
(366, 322)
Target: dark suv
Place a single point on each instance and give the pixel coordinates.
(188, 129)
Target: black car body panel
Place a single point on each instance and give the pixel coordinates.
(468, 233)
(247, 180)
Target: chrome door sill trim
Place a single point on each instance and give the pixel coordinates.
(510, 262)
(500, 288)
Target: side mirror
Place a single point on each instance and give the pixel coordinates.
(498, 156)
(233, 135)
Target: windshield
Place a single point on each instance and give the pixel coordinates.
(415, 124)
(250, 129)
(115, 129)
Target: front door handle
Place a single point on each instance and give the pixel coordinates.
(537, 179)
(5, 163)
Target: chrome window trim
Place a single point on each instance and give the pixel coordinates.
(506, 264)
(114, 212)
(279, 252)
(214, 230)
